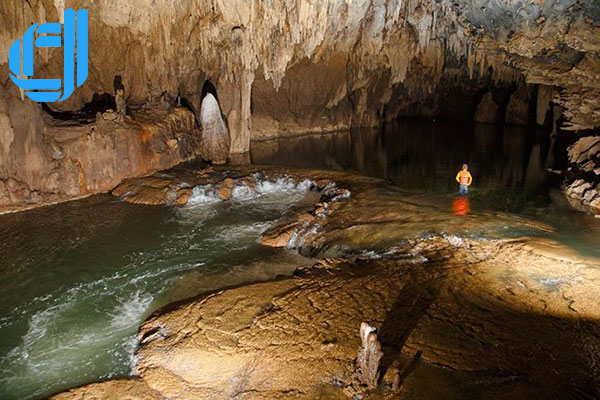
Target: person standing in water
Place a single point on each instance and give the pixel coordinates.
(465, 179)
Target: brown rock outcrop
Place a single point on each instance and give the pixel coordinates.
(154, 191)
(280, 235)
(48, 160)
(583, 185)
(585, 154)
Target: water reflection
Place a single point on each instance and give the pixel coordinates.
(461, 205)
(425, 155)
(508, 165)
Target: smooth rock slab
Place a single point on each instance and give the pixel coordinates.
(122, 389)
(512, 308)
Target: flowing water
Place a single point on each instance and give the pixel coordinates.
(79, 278)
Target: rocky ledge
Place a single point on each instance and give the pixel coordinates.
(583, 177)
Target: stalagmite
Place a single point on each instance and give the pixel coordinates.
(368, 363)
(121, 104)
(215, 136)
(369, 357)
(487, 111)
(517, 109)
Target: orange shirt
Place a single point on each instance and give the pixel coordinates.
(464, 177)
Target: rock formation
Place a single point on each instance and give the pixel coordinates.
(369, 357)
(225, 189)
(47, 160)
(215, 141)
(282, 67)
(516, 317)
(488, 111)
(583, 177)
(121, 104)
(482, 317)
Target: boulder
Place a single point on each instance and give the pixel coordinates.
(225, 189)
(585, 153)
(183, 195)
(224, 193)
(578, 188)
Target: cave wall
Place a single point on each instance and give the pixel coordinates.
(284, 67)
(45, 161)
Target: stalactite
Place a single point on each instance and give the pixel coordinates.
(408, 39)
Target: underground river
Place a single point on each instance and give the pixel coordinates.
(79, 278)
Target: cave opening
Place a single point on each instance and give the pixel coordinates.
(209, 87)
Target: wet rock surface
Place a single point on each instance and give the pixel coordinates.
(505, 318)
(123, 389)
(498, 319)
